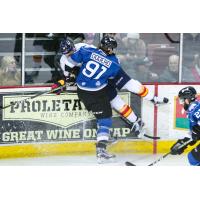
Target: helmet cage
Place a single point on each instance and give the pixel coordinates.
(66, 46)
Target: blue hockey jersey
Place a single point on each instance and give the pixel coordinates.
(96, 69)
(193, 114)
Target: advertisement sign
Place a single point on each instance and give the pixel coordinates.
(181, 121)
(55, 118)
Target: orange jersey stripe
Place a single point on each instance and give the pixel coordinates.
(144, 92)
(125, 111)
(128, 113)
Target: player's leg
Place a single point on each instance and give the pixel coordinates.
(137, 88)
(127, 114)
(98, 103)
(124, 110)
(194, 156)
(103, 134)
(123, 81)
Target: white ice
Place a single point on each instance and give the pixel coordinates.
(90, 160)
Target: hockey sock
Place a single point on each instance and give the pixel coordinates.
(128, 113)
(125, 110)
(136, 87)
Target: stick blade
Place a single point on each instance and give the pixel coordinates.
(152, 137)
(127, 163)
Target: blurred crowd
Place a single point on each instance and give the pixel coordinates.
(147, 57)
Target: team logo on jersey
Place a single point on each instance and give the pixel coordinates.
(192, 106)
(98, 83)
(100, 59)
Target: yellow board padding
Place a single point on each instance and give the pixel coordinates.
(72, 148)
(164, 146)
(81, 148)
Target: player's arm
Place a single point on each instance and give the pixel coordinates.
(69, 70)
(71, 73)
(74, 70)
(195, 132)
(194, 121)
(180, 146)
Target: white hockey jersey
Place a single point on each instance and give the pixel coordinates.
(64, 60)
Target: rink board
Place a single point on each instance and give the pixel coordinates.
(73, 148)
(83, 148)
(55, 124)
(33, 137)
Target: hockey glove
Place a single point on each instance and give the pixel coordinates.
(75, 70)
(179, 147)
(71, 80)
(58, 85)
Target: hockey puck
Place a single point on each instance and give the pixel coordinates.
(165, 100)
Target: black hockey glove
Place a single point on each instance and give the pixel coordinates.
(196, 132)
(75, 70)
(179, 147)
(71, 80)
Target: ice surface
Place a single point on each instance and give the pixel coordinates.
(90, 160)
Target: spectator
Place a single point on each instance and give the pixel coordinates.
(76, 37)
(191, 47)
(50, 44)
(134, 51)
(136, 48)
(195, 70)
(142, 71)
(9, 74)
(92, 38)
(170, 73)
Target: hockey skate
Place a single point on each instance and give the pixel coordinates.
(103, 155)
(159, 100)
(137, 127)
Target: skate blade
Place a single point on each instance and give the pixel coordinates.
(106, 160)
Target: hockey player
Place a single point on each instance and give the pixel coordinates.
(188, 98)
(121, 81)
(98, 65)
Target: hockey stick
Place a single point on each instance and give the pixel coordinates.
(127, 163)
(32, 97)
(152, 137)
